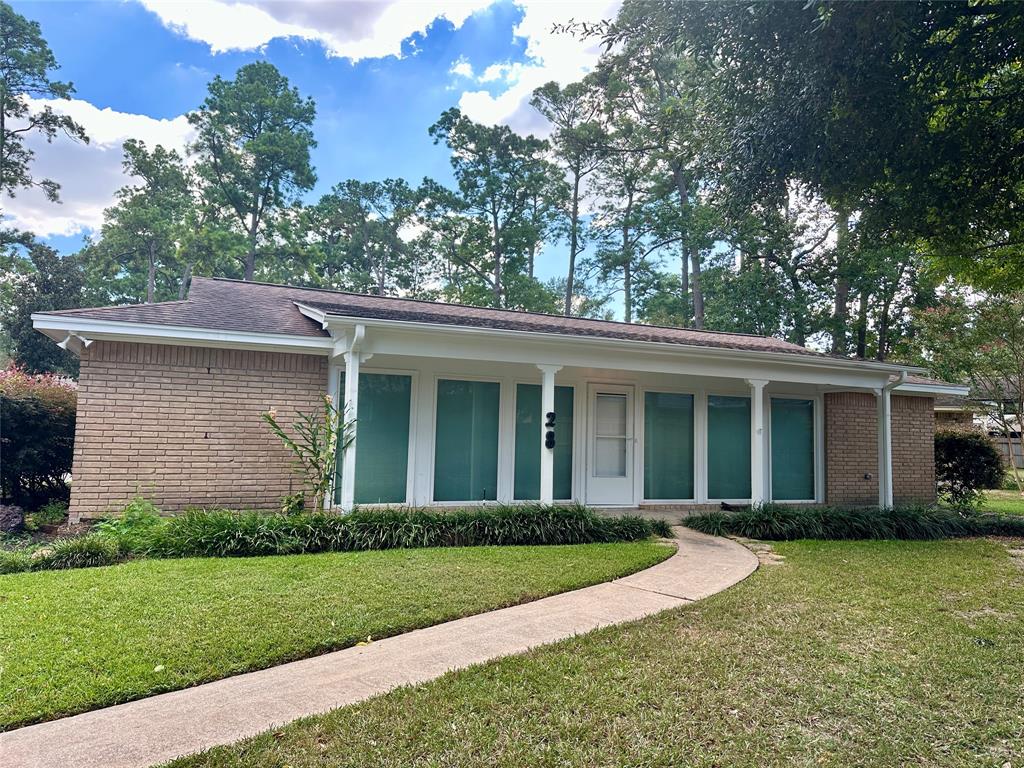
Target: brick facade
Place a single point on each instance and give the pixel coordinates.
(182, 426)
(913, 449)
(851, 448)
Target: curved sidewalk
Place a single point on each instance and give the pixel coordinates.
(156, 729)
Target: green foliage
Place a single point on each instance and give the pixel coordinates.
(966, 463)
(88, 551)
(37, 440)
(223, 533)
(51, 513)
(135, 529)
(16, 561)
(25, 76)
(319, 439)
(255, 136)
(775, 522)
(47, 282)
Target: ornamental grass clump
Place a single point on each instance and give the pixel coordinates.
(89, 551)
(777, 522)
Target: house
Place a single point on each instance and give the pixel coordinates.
(457, 405)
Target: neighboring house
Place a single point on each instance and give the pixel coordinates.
(955, 413)
(452, 406)
(975, 412)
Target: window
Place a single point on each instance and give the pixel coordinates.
(382, 449)
(466, 441)
(529, 424)
(668, 446)
(610, 435)
(792, 435)
(728, 447)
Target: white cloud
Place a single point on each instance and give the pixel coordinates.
(461, 67)
(89, 174)
(550, 55)
(359, 29)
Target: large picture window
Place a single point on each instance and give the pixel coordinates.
(529, 424)
(466, 441)
(382, 449)
(668, 446)
(792, 436)
(728, 447)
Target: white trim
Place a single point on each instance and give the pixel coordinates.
(179, 335)
(573, 481)
(628, 390)
(955, 390)
(641, 431)
(502, 429)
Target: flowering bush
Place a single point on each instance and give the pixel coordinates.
(37, 412)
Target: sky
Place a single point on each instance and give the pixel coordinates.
(381, 72)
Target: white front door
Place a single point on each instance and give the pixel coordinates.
(610, 445)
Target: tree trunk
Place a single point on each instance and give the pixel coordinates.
(684, 204)
(574, 236)
(685, 288)
(883, 331)
(151, 274)
(862, 326)
(186, 277)
(842, 297)
(627, 264)
(698, 291)
(497, 259)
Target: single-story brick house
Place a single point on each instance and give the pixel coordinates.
(453, 405)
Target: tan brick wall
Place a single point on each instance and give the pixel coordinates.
(182, 426)
(851, 448)
(954, 420)
(913, 449)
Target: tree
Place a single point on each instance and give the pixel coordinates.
(497, 173)
(254, 139)
(53, 282)
(357, 232)
(981, 342)
(142, 231)
(25, 63)
(574, 113)
(916, 109)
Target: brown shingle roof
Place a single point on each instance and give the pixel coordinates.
(233, 305)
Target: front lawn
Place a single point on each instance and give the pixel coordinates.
(871, 653)
(77, 640)
(1004, 502)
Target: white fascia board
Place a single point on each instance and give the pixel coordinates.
(401, 337)
(117, 330)
(954, 390)
(313, 314)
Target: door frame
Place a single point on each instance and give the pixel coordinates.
(630, 480)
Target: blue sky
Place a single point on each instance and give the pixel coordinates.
(380, 73)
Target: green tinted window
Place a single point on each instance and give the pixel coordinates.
(382, 451)
(668, 446)
(792, 449)
(466, 441)
(529, 423)
(728, 447)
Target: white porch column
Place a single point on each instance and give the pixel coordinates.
(758, 485)
(547, 455)
(334, 393)
(884, 399)
(349, 417)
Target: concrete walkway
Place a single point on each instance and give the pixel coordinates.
(153, 730)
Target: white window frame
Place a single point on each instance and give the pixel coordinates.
(708, 394)
(642, 436)
(515, 405)
(818, 442)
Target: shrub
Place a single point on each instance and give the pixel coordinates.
(53, 513)
(15, 562)
(221, 533)
(135, 530)
(38, 417)
(86, 551)
(774, 522)
(966, 462)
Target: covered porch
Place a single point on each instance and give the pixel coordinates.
(447, 416)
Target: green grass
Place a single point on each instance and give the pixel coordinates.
(867, 653)
(1004, 502)
(76, 640)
